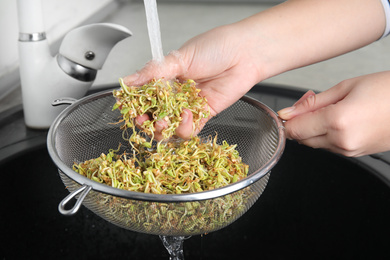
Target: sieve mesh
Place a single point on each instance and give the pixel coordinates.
(171, 218)
(87, 128)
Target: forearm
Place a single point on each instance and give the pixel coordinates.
(302, 32)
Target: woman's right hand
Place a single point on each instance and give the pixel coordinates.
(217, 60)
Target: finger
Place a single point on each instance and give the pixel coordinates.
(185, 129)
(305, 96)
(159, 126)
(326, 142)
(139, 120)
(314, 102)
(309, 125)
(322, 142)
(290, 112)
(285, 113)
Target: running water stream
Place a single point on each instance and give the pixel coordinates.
(173, 244)
(153, 24)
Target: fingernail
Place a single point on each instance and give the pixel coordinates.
(136, 122)
(160, 125)
(308, 94)
(286, 110)
(184, 117)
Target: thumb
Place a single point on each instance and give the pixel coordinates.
(311, 102)
(305, 104)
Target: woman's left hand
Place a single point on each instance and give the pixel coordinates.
(351, 118)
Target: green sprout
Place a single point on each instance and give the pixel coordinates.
(161, 100)
(168, 167)
(172, 168)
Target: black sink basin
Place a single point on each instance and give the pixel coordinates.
(316, 205)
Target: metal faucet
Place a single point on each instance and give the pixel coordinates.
(70, 73)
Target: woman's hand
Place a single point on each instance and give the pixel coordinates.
(352, 118)
(227, 61)
(218, 61)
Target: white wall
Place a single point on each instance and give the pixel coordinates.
(9, 36)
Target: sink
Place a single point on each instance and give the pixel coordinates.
(316, 204)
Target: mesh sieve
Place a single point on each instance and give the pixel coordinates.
(87, 128)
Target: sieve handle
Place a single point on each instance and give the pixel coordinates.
(63, 101)
(84, 190)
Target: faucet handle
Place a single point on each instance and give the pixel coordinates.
(90, 45)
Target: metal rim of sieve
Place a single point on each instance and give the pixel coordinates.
(204, 195)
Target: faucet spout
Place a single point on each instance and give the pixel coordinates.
(90, 45)
(70, 73)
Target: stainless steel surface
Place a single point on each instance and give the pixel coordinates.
(85, 130)
(32, 37)
(63, 101)
(82, 191)
(76, 70)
